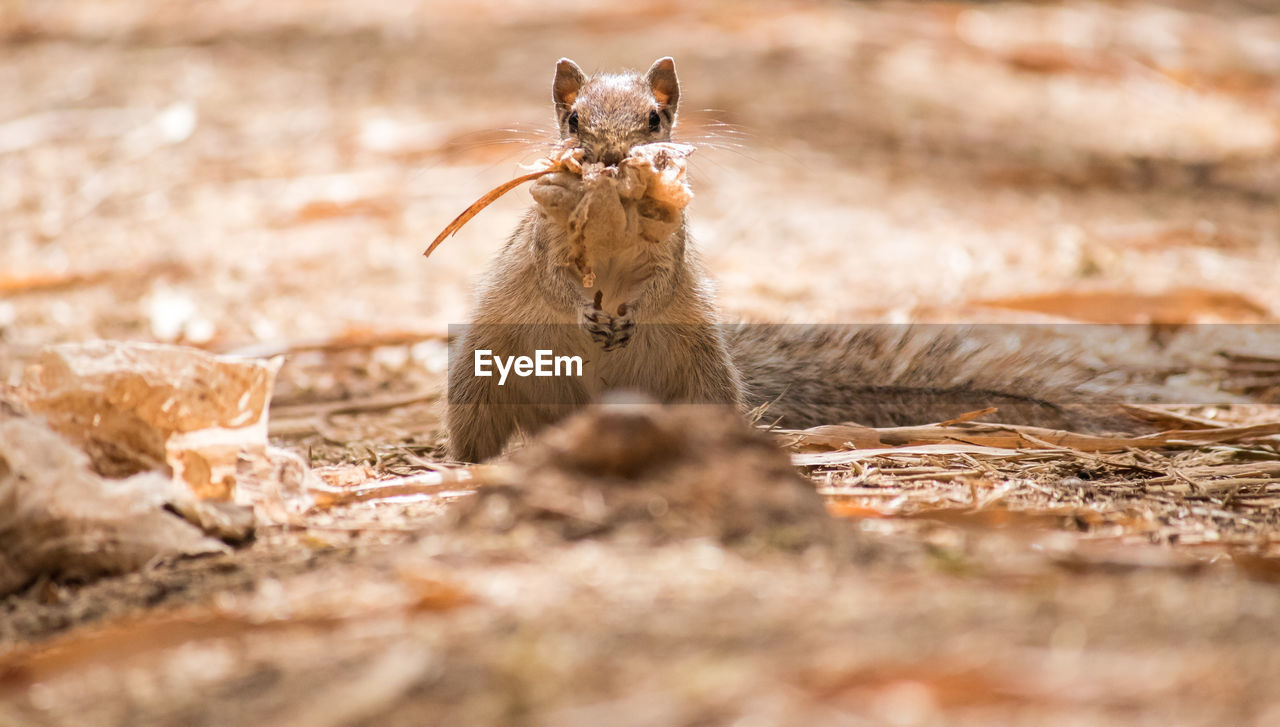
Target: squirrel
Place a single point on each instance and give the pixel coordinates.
(648, 321)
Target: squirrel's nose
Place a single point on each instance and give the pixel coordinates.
(609, 156)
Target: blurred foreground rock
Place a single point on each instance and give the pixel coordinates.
(657, 473)
(60, 519)
(138, 407)
(144, 452)
(135, 407)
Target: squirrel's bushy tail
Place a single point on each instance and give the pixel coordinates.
(898, 375)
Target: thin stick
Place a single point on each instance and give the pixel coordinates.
(481, 203)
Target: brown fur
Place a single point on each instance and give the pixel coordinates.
(663, 340)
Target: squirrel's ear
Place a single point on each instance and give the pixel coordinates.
(569, 80)
(662, 79)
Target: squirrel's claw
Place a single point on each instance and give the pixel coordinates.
(610, 331)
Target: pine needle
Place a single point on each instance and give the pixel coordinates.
(488, 199)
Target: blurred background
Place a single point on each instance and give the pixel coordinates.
(234, 174)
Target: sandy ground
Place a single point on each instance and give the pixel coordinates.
(264, 178)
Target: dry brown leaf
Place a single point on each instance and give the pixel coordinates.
(651, 170)
(561, 159)
(489, 198)
(969, 416)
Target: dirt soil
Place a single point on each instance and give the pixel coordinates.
(262, 179)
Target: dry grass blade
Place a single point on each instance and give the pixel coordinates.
(968, 416)
(1008, 436)
(1166, 417)
(488, 199)
(840, 457)
(350, 339)
(429, 484)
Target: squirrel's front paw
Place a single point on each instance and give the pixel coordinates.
(557, 195)
(611, 331)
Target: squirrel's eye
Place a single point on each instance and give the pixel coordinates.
(573, 122)
(655, 122)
